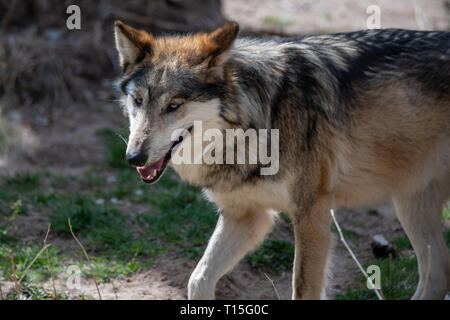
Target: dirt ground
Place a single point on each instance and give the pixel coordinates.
(69, 145)
(169, 277)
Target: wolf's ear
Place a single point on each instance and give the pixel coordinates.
(132, 44)
(220, 41)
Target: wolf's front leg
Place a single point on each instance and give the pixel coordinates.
(312, 244)
(236, 233)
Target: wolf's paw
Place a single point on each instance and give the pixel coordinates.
(200, 288)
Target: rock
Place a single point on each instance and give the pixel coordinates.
(381, 248)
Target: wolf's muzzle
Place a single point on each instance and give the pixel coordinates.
(136, 158)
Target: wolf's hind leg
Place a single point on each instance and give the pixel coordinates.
(235, 235)
(420, 215)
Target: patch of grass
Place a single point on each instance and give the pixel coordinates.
(17, 192)
(23, 254)
(42, 200)
(17, 208)
(193, 252)
(30, 291)
(61, 181)
(285, 217)
(402, 243)
(104, 228)
(446, 214)
(182, 216)
(5, 237)
(103, 269)
(401, 285)
(91, 180)
(115, 147)
(24, 182)
(127, 182)
(275, 254)
(6, 196)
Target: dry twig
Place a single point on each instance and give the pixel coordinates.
(273, 285)
(32, 261)
(114, 289)
(377, 291)
(48, 262)
(85, 254)
(13, 268)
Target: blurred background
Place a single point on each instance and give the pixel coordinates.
(61, 156)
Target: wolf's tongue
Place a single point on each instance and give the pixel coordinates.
(147, 172)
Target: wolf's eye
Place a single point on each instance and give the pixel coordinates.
(138, 101)
(173, 106)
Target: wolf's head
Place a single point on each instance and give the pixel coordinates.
(167, 84)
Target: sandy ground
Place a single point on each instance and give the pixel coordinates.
(70, 146)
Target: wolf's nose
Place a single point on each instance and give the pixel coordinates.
(137, 158)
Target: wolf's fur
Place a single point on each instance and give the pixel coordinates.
(363, 116)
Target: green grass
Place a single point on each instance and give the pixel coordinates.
(119, 243)
(401, 285)
(181, 218)
(402, 243)
(23, 254)
(398, 280)
(30, 291)
(103, 269)
(115, 147)
(24, 182)
(102, 227)
(446, 213)
(277, 255)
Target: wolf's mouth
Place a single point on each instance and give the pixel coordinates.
(153, 172)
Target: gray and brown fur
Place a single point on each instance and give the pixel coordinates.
(363, 117)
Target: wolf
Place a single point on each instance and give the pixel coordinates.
(362, 117)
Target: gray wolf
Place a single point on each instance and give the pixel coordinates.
(362, 117)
